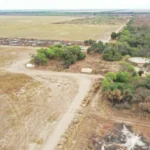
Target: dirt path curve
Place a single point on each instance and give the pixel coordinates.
(84, 81)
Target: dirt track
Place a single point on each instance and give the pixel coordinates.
(84, 83)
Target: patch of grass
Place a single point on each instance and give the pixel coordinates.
(10, 82)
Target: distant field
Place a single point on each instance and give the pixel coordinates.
(41, 28)
(142, 20)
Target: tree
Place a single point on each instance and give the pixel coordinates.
(114, 35)
(140, 72)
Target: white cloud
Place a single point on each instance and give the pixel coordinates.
(74, 4)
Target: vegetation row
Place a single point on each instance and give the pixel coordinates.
(67, 54)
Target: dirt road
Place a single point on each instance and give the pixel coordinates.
(84, 82)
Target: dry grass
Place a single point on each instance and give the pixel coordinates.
(9, 53)
(10, 82)
(30, 110)
(40, 28)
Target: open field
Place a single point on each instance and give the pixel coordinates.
(41, 28)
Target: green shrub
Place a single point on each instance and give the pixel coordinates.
(96, 48)
(81, 56)
(112, 55)
(50, 53)
(114, 35)
(122, 77)
(40, 59)
(67, 54)
(89, 42)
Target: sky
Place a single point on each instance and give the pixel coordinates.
(74, 4)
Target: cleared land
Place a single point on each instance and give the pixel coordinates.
(42, 28)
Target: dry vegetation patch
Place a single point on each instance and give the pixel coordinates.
(10, 82)
(8, 54)
(105, 19)
(31, 109)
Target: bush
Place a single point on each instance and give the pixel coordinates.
(112, 54)
(67, 54)
(128, 68)
(50, 53)
(96, 48)
(40, 59)
(89, 42)
(118, 87)
(122, 77)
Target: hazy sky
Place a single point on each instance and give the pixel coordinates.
(74, 4)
